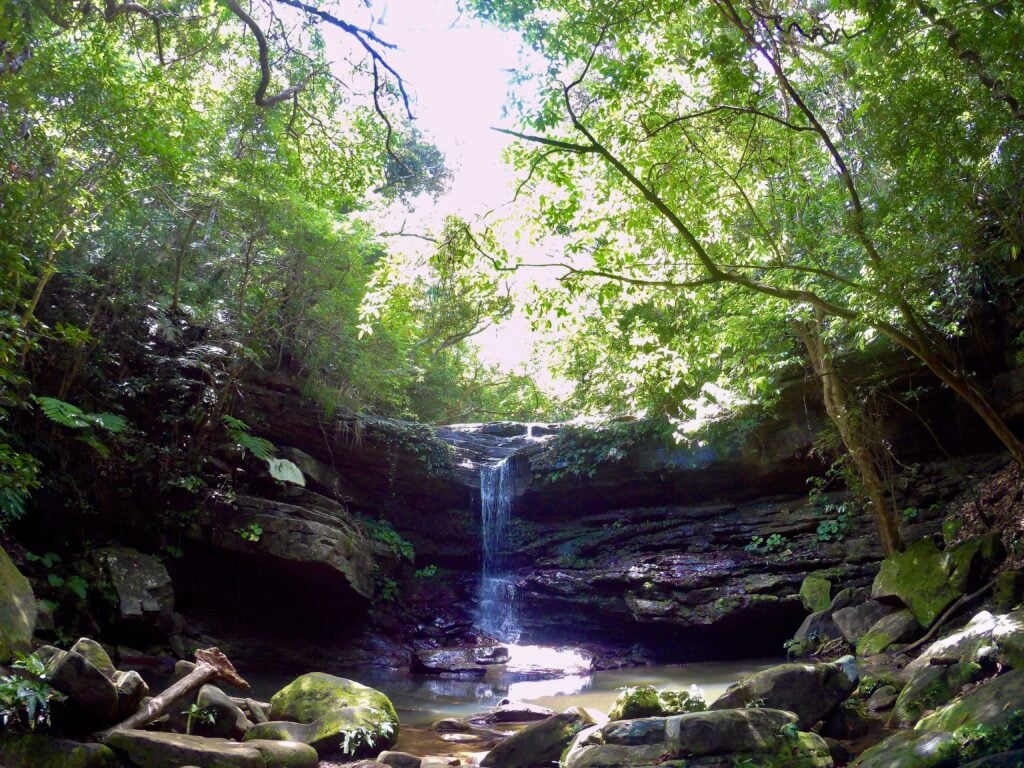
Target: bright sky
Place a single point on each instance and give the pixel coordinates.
(458, 71)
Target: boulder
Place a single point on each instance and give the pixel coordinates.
(538, 744)
(458, 661)
(96, 655)
(881, 698)
(719, 738)
(34, 750)
(149, 749)
(816, 593)
(992, 705)
(898, 627)
(816, 630)
(1011, 759)
(849, 596)
(928, 580)
(229, 720)
(18, 610)
(911, 749)
(811, 691)
(1008, 590)
(400, 760)
(316, 694)
(509, 711)
(131, 690)
(141, 583)
(647, 701)
(932, 687)
(854, 621)
(89, 690)
(985, 637)
(352, 731)
(285, 754)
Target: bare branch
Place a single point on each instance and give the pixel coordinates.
(261, 98)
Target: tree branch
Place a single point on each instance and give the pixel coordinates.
(261, 98)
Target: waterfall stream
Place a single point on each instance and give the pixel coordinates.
(496, 596)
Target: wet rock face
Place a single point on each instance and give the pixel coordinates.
(17, 610)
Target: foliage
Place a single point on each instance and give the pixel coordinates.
(19, 476)
(280, 469)
(721, 174)
(359, 737)
(776, 542)
(838, 523)
(578, 450)
(73, 417)
(381, 530)
(26, 696)
(389, 591)
(197, 714)
(238, 432)
(426, 572)
(977, 741)
(252, 532)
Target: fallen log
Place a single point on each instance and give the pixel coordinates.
(211, 665)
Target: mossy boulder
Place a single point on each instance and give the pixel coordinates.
(351, 731)
(1008, 591)
(316, 694)
(816, 593)
(985, 637)
(646, 701)
(92, 695)
(812, 691)
(932, 687)
(18, 610)
(40, 751)
(856, 620)
(911, 749)
(766, 738)
(898, 627)
(149, 749)
(918, 577)
(540, 743)
(991, 705)
(928, 580)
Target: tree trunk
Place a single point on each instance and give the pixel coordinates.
(211, 664)
(854, 437)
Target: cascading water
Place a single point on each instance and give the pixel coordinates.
(496, 596)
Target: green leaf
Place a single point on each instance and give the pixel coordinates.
(286, 471)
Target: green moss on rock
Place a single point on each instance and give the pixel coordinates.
(646, 701)
(919, 577)
(18, 610)
(816, 593)
(40, 751)
(316, 694)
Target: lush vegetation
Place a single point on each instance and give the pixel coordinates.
(735, 189)
(184, 189)
(741, 184)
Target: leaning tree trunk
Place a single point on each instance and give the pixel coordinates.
(211, 665)
(856, 439)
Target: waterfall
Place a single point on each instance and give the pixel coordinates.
(496, 596)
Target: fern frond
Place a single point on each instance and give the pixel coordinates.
(65, 414)
(232, 423)
(257, 446)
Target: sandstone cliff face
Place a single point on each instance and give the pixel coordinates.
(650, 550)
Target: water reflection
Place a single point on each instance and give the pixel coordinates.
(421, 700)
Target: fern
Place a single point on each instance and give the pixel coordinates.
(73, 417)
(259, 447)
